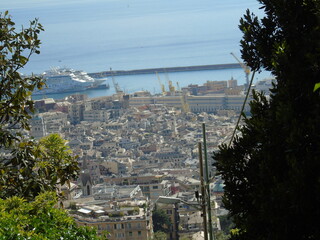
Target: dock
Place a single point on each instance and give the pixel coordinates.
(165, 70)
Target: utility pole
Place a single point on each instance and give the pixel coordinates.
(207, 180)
(203, 195)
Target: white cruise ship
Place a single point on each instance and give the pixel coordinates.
(60, 80)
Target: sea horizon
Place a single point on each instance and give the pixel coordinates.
(95, 36)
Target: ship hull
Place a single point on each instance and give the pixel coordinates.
(67, 80)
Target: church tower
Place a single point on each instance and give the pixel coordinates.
(86, 184)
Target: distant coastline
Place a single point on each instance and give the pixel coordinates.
(131, 83)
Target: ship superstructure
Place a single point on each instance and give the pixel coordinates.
(60, 80)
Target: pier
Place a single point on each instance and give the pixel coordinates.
(165, 70)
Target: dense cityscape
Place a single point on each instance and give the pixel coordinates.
(135, 148)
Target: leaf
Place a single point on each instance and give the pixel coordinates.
(316, 86)
(23, 60)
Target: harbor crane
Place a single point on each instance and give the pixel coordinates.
(245, 67)
(170, 85)
(172, 89)
(163, 90)
(178, 86)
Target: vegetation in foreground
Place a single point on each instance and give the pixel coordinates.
(28, 168)
(271, 169)
(39, 219)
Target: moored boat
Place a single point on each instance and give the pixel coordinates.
(60, 80)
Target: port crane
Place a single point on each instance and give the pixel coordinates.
(178, 86)
(172, 89)
(183, 98)
(245, 67)
(163, 90)
(170, 85)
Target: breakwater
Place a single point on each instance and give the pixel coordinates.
(165, 70)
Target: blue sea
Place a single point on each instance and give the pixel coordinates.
(96, 35)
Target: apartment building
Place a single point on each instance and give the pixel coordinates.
(121, 220)
(112, 167)
(75, 112)
(203, 103)
(96, 115)
(174, 157)
(152, 186)
(38, 127)
(171, 211)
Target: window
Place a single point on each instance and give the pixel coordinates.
(129, 225)
(120, 235)
(130, 234)
(139, 233)
(155, 187)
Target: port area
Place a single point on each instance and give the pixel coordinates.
(164, 70)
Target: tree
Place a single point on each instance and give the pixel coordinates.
(226, 223)
(39, 219)
(27, 167)
(160, 236)
(16, 49)
(161, 220)
(57, 165)
(48, 164)
(271, 170)
(220, 235)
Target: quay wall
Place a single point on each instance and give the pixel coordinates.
(164, 70)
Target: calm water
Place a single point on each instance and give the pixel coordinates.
(94, 35)
(149, 82)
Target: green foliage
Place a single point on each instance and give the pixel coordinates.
(15, 105)
(220, 235)
(161, 220)
(57, 164)
(144, 206)
(226, 223)
(26, 166)
(39, 219)
(185, 237)
(116, 214)
(271, 171)
(73, 206)
(160, 236)
(38, 167)
(16, 47)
